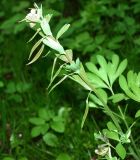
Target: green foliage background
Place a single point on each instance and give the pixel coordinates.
(97, 27)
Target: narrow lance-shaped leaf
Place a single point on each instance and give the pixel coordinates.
(62, 30)
(101, 60)
(69, 53)
(123, 83)
(35, 47)
(86, 111)
(130, 78)
(115, 62)
(77, 79)
(53, 67)
(37, 55)
(112, 68)
(121, 67)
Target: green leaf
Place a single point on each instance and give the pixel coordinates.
(45, 114)
(58, 126)
(37, 55)
(111, 134)
(96, 100)
(137, 114)
(36, 131)
(103, 75)
(130, 78)
(62, 30)
(111, 126)
(44, 128)
(63, 156)
(92, 68)
(55, 75)
(50, 139)
(80, 81)
(103, 94)
(115, 63)
(37, 121)
(101, 60)
(92, 105)
(98, 82)
(121, 68)
(121, 150)
(123, 83)
(128, 92)
(117, 97)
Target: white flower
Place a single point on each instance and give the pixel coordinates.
(33, 16)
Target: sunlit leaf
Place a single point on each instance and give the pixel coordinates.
(58, 126)
(137, 114)
(121, 150)
(111, 134)
(62, 30)
(117, 97)
(121, 67)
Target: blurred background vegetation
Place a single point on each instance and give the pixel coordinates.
(97, 27)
